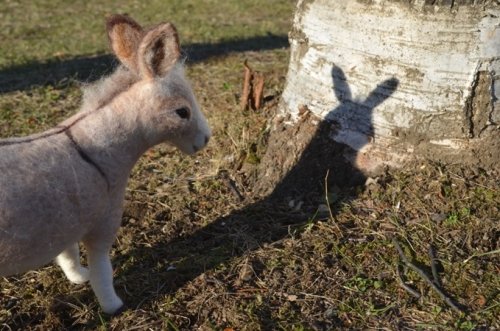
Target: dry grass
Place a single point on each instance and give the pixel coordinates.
(193, 255)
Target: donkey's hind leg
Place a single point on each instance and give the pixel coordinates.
(69, 261)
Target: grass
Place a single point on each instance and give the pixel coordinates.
(42, 30)
(191, 254)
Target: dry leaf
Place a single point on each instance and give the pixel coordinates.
(481, 301)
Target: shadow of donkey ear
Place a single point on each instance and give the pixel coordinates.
(340, 86)
(382, 92)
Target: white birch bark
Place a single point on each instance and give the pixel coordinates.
(409, 79)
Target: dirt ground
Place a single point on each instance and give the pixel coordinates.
(270, 229)
(235, 239)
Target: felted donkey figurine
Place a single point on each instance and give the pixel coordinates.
(67, 184)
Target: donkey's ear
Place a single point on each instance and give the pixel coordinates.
(124, 37)
(159, 51)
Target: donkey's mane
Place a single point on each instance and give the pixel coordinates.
(98, 94)
(95, 96)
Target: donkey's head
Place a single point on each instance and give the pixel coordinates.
(168, 110)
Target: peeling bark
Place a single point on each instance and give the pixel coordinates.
(479, 106)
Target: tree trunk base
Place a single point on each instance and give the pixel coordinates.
(391, 82)
(301, 156)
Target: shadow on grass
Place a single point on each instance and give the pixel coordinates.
(264, 222)
(88, 69)
(270, 219)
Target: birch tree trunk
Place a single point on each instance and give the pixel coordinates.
(396, 80)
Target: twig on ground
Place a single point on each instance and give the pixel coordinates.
(328, 203)
(328, 299)
(434, 265)
(226, 179)
(468, 180)
(245, 95)
(253, 88)
(481, 254)
(258, 90)
(408, 288)
(424, 276)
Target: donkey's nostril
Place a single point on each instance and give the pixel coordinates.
(207, 138)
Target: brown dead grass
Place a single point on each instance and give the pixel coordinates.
(198, 250)
(193, 255)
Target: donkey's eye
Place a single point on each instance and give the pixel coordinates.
(183, 112)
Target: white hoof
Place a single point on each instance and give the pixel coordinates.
(78, 276)
(113, 306)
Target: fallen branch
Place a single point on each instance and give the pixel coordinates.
(424, 276)
(434, 264)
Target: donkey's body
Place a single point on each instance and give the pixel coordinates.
(47, 202)
(67, 184)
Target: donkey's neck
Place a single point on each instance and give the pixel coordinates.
(110, 137)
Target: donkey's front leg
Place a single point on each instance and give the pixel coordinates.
(101, 274)
(69, 261)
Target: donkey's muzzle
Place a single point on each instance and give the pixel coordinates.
(205, 142)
